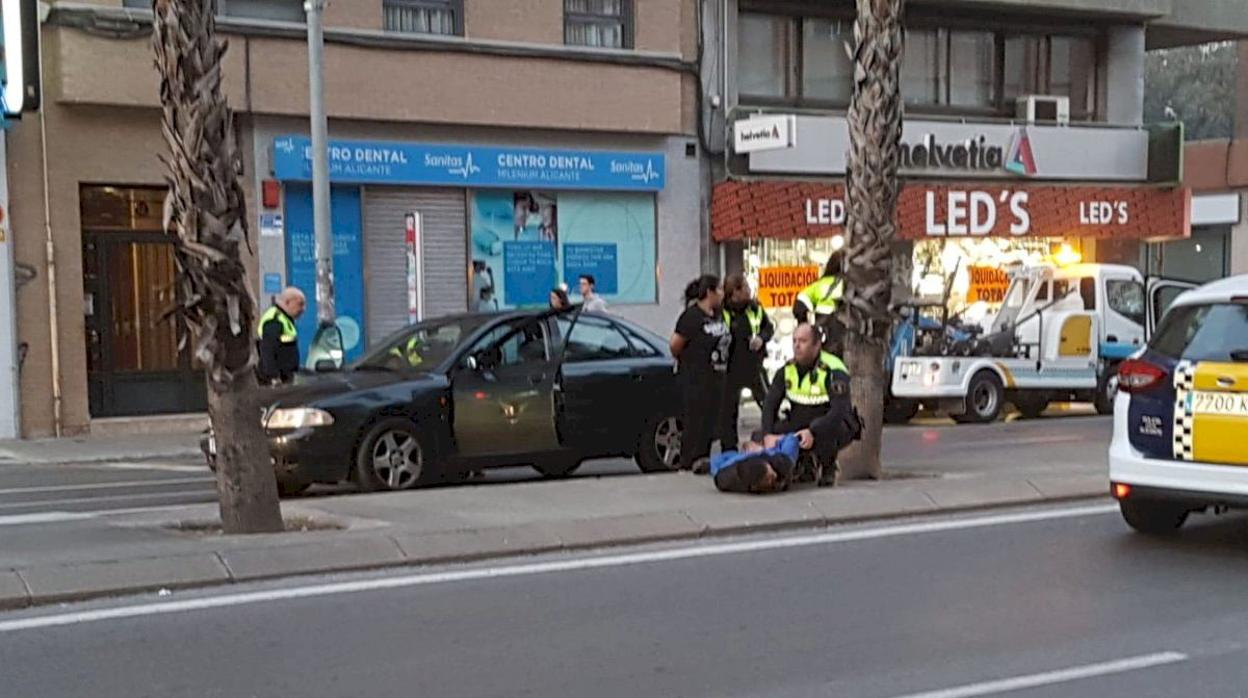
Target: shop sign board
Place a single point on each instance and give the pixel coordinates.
(998, 150)
(373, 162)
(778, 286)
(760, 133)
(987, 284)
(927, 210)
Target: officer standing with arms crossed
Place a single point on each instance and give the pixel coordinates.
(751, 329)
(277, 339)
(817, 303)
(815, 387)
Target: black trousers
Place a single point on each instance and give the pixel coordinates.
(701, 420)
(730, 409)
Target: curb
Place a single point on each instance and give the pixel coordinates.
(39, 586)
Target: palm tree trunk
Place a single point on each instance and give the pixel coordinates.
(206, 215)
(875, 118)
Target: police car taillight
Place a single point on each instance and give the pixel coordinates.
(1135, 375)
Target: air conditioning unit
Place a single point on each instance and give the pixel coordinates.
(1044, 108)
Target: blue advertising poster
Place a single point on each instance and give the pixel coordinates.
(599, 260)
(348, 263)
(371, 162)
(528, 271)
(526, 241)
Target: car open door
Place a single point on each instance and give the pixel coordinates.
(504, 390)
(1161, 295)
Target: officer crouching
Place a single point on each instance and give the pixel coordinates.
(810, 397)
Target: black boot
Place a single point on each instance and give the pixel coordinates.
(828, 477)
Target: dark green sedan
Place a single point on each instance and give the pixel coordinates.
(450, 396)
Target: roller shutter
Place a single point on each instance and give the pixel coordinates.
(445, 247)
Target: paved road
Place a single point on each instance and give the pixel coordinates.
(1055, 443)
(1066, 603)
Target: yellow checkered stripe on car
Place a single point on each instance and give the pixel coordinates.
(1184, 415)
(1208, 437)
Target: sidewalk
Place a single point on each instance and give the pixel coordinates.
(104, 555)
(98, 449)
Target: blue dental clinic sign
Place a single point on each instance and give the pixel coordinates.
(365, 162)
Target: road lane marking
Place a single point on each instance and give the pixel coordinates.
(44, 517)
(164, 467)
(546, 567)
(106, 485)
(1048, 678)
(100, 500)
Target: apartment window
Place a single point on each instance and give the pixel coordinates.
(827, 71)
(444, 17)
(763, 56)
(272, 10)
(1053, 65)
(923, 67)
(598, 23)
(802, 61)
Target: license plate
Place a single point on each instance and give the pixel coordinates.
(1225, 404)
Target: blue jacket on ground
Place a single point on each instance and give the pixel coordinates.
(789, 447)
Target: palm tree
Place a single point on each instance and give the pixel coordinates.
(206, 215)
(875, 118)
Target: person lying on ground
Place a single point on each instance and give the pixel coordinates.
(757, 468)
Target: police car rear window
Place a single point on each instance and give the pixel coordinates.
(1203, 332)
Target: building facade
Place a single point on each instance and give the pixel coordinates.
(531, 140)
(1024, 139)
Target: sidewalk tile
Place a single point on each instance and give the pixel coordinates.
(974, 492)
(324, 556)
(49, 583)
(736, 513)
(625, 530)
(12, 590)
(1059, 486)
(472, 544)
(857, 503)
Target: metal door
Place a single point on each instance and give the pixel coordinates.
(134, 364)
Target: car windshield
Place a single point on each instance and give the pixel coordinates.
(1215, 332)
(422, 346)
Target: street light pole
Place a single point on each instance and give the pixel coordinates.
(320, 165)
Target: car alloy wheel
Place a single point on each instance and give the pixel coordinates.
(397, 460)
(667, 442)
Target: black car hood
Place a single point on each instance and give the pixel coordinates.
(308, 389)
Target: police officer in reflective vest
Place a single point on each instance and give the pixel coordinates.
(814, 390)
(751, 330)
(817, 303)
(277, 339)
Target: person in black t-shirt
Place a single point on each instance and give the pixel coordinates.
(700, 345)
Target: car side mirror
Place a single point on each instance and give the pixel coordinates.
(326, 349)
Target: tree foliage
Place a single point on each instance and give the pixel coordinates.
(1195, 85)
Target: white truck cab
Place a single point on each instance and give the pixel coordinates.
(1059, 335)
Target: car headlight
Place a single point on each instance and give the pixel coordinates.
(299, 418)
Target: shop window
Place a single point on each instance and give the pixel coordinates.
(593, 339)
(442, 17)
(526, 242)
(1126, 298)
(762, 56)
(598, 23)
(827, 71)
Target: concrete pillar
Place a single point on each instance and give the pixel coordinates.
(1124, 103)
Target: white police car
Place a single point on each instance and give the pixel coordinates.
(1180, 440)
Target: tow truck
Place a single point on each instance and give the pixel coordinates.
(1059, 336)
